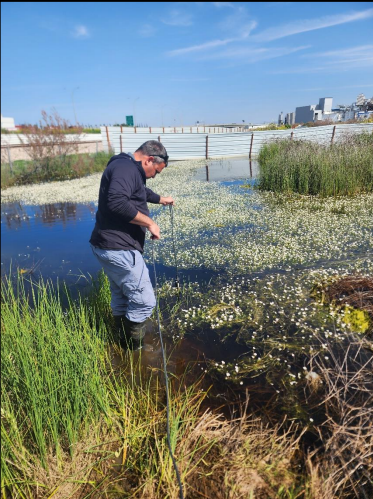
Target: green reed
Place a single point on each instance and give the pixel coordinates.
(345, 168)
(51, 369)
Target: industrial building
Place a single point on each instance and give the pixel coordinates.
(314, 112)
(7, 123)
(324, 110)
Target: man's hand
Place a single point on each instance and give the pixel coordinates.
(155, 231)
(166, 201)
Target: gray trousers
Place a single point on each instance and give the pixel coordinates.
(132, 292)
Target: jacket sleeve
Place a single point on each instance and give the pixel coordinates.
(119, 194)
(152, 197)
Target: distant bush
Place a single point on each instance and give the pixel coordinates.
(271, 126)
(67, 168)
(91, 130)
(346, 168)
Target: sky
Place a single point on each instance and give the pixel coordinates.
(176, 63)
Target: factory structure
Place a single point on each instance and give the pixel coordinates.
(324, 111)
(7, 123)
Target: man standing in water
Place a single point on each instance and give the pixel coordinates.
(117, 240)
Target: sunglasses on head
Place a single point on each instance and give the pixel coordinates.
(165, 158)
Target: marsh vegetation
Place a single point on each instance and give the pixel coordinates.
(279, 403)
(345, 168)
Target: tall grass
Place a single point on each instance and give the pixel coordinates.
(52, 363)
(346, 168)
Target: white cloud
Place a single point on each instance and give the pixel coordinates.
(304, 25)
(248, 55)
(336, 60)
(353, 53)
(147, 30)
(178, 18)
(80, 31)
(201, 47)
(213, 43)
(238, 22)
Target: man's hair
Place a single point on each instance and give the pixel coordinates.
(156, 149)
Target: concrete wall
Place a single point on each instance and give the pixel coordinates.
(22, 152)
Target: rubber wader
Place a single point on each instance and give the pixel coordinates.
(130, 334)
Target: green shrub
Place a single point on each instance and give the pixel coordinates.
(56, 168)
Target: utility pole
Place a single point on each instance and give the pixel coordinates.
(72, 99)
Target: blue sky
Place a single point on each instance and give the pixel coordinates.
(181, 62)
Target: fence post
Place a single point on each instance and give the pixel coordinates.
(96, 147)
(159, 138)
(292, 135)
(207, 146)
(135, 130)
(163, 129)
(174, 129)
(10, 160)
(108, 140)
(334, 127)
(207, 173)
(121, 144)
(251, 145)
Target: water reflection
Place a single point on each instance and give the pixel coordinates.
(51, 239)
(14, 215)
(224, 169)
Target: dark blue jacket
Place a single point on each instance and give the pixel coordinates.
(123, 193)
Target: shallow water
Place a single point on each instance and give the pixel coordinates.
(227, 169)
(49, 240)
(52, 239)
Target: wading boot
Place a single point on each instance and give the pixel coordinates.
(135, 332)
(121, 335)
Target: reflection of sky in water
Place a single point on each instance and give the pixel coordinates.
(227, 169)
(53, 237)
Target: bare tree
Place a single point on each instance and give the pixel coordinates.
(49, 141)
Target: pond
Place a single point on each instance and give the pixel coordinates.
(246, 316)
(52, 239)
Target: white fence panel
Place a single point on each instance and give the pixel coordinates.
(193, 144)
(187, 146)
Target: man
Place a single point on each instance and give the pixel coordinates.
(118, 237)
